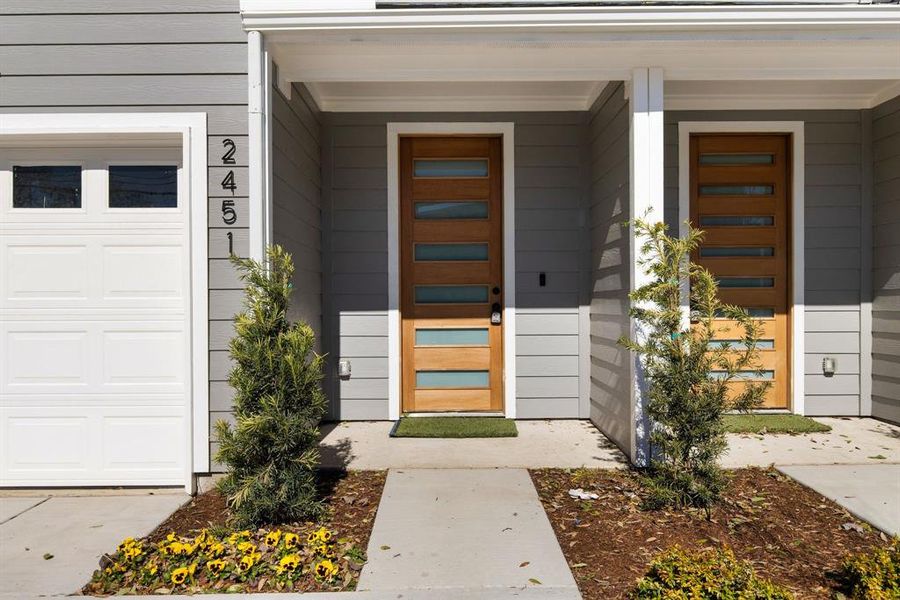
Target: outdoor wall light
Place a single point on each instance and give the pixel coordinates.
(829, 365)
(344, 368)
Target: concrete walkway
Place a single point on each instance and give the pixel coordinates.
(547, 443)
(869, 492)
(464, 533)
(75, 530)
(850, 441)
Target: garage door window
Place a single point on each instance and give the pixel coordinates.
(143, 186)
(56, 186)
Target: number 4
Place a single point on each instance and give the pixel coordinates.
(228, 182)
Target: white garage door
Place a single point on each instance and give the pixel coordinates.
(94, 317)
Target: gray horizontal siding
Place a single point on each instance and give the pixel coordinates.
(162, 56)
(833, 219)
(551, 237)
(610, 381)
(886, 267)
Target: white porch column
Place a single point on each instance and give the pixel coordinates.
(646, 201)
(259, 108)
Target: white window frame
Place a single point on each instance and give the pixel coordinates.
(191, 127)
(798, 185)
(507, 131)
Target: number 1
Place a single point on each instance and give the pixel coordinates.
(230, 243)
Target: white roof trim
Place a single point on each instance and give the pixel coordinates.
(273, 15)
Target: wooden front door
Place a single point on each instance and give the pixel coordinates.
(451, 279)
(740, 196)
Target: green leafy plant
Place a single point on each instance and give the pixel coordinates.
(873, 575)
(712, 574)
(271, 452)
(691, 382)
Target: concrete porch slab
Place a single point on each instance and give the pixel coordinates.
(869, 492)
(551, 443)
(462, 530)
(852, 440)
(76, 531)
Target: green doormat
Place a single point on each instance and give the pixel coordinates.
(455, 427)
(773, 424)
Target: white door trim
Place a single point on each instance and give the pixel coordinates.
(191, 127)
(798, 307)
(506, 130)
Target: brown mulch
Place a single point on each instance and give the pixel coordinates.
(791, 534)
(350, 497)
(351, 501)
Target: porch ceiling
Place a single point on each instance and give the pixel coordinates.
(476, 96)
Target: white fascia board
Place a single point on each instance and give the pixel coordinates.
(267, 15)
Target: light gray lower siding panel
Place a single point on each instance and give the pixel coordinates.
(220, 334)
(220, 396)
(123, 59)
(832, 406)
(365, 346)
(220, 365)
(832, 321)
(364, 409)
(223, 275)
(546, 387)
(130, 90)
(368, 367)
(886, 408)
(358, 387)
(546, 408)
(547, 366)
(122, 29)
(225, 304)
(847, 364)
(547, 345)
(842, 341)
(839, 384)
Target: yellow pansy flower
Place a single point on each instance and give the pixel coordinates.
(291, 540)
(126, 543)
(151, 569)
(216, 566)
(247, 561)
(288, 564)
(324, 535)
(325, 569)
(216, 549)
(273, 537)
(247, 547)
(179, 575)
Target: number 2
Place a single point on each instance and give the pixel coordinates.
(228, 157)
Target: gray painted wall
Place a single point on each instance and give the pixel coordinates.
(886, 264)
(610, 379)
(551, 236)
(834, 232)
(160, 56)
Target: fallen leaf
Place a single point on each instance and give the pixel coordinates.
(524, 564)
(48, 556)
(579, 565)
(878, 457)
(385, 547)
(534, 581)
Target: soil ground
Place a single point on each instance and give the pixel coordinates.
(791, 534)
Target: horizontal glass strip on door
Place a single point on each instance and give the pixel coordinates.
(746, 282)
(737, 190)
(452, 379)
(737, 159)
(739, 344)
(743, 375)
(756, 313)
(450, 168)
(451, 294)
(437, 252)
(466, 209)
(452, 337)
(727, 251)
(737, 221)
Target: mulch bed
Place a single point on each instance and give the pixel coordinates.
(791, 534)
(351, 499)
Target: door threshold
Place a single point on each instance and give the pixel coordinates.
(454, 414)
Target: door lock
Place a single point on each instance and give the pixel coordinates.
(496, 314)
